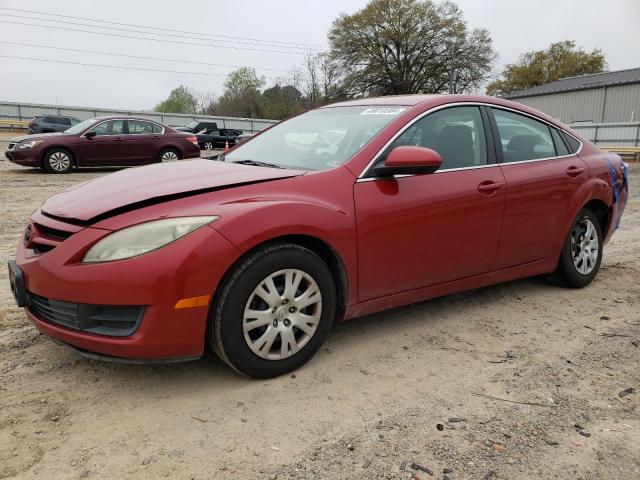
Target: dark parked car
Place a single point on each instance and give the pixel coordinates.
(103, 141)
(51, 123)
(216, 138)
(244, 137)
(195, 127)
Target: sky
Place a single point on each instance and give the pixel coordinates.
(269, 35)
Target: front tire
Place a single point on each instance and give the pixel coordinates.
(274, 311)
(58, 160)
(208, 145)
(581, 252)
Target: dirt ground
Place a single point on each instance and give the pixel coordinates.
(399, 394)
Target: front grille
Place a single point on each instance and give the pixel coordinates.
(52, 232)
(112, 320)
(12, 145)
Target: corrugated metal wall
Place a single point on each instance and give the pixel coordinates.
(604, 104)
(25, 111)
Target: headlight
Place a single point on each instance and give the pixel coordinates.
(29, 144)
(143, 238)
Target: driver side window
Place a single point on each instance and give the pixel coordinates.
(456, 133)
(100, 129)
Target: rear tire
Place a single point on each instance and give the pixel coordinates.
(264, 333)
(58, 160)
(169, 155)
(581, 252)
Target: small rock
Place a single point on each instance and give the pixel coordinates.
(489, 474)
(604, 317)
(293, 375)
(366, 463)
(549, 441)
(584, 433)
(578, 426)
(445, 477)
(403, 465)
(364, 372)
(350, 447)
(456, 419)
(405, 347)
(447, 470)
(498, 447)
(600, 455)
(415, 466)
(93, 379)
(626, 391)
(73, 463)
(440, 427)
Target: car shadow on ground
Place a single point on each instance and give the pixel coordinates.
(346, 337)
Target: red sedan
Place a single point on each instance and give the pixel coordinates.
(339, 212)
(103, 141)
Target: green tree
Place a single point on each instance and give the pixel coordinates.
(241, 95)
(180, 100)
(409, 46)
(280, 102)
(560, 60)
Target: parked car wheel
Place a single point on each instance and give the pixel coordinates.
(208, 145)
(169, 155)
(581, 253)
(274, 311)
(58, 160)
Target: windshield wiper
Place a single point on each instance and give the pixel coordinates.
(257, 163)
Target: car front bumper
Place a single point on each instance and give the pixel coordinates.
(27, 157)
(190, 267)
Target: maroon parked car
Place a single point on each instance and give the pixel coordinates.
(103, 141)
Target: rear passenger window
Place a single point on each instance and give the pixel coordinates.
(561, 148)
(138, 127)
(456, 133)
(156, 128)
(523, 138)
(574, 145)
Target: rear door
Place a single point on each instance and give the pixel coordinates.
(542, 178)
(143, 142)
(422, 230)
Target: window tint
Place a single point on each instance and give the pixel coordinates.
(212, 132)
(116, 127)
(522, 137)
(138, 127)
(561, 148)
(456, 133)
(156, 128)
(50, 120)
(574, 144)
(64, 121)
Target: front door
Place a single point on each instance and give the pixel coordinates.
(422, 230)
(542, 177)
(106, 148)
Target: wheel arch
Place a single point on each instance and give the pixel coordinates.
(318, 246)
(602, 212)
(74, 158)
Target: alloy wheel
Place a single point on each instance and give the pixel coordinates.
(169, 156)
(584, 246)
(282, 314)
(208, 146)
(59, 161)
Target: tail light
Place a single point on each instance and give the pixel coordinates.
(193, 140)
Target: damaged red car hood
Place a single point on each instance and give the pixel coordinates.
(153, 184)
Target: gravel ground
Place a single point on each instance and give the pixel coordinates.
(515, 381)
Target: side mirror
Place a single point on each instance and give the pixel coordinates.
(90, 135)
(409, 160)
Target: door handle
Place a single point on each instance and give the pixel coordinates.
(118, 139)
(574, 171)
(489, 187)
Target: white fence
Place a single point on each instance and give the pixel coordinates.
(26, 111)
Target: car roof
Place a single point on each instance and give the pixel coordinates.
(124, 117)
(408, 100)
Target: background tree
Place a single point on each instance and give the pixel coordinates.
(180, 100)
(241, 97)
(561, 59)
(280, 102)
(409, 46)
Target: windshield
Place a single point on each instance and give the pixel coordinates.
(80, 127)
(192, 124)
(318, 139)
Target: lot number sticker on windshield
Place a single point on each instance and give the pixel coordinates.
(383, 111)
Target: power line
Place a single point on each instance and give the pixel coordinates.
(121, 67)
(150, 39)
(136, 56)
(129, 30)
(164, 28)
